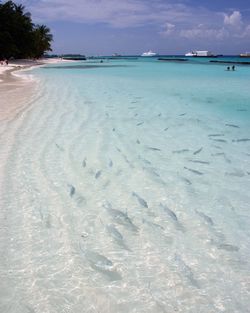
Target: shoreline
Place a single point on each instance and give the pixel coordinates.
(16, 91)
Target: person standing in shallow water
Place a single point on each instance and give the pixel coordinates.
(233, 68)
(228, 68)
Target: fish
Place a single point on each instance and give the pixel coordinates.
(182, 114)
(180, 151)
(98, 174)
(187, 181)
(154, 149)
(216, 135)
(113, 129)
(116, 235)
(166, 129)
(144, 160)
(72, 190)
(185, 270)
(152, 225)
(193, 171)
(114, 232)
(120, 217)
(110, 163)
(159, 114)
(139, 123)
(220, 140)
(232, 125)
(205, 217)
(101, 264)
(241, 140)
(228, 247)
(198, 161)
(138, 141)
(140, 200)
(198, 151)
(235, 174)
(169, 212)
(59, 147)
(84, 163)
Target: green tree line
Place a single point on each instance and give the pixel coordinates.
(19, 36)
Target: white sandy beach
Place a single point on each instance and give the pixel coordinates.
(17, 90)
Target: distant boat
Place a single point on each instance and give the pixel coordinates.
(116, 55)
(149, 54)
(197, 53)
(245, 55)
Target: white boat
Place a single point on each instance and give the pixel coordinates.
(245, 55)
(149, 54)
(199, 53)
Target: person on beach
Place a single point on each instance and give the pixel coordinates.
(228, 68)
(233, 68)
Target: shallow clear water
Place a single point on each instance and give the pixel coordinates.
(126, 189)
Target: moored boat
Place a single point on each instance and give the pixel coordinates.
(149, 54)
(245, 55)
(200, 53)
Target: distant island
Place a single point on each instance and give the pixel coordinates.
(19, 37)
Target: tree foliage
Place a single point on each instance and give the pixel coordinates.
(19, 37)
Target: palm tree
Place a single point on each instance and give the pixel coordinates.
(42, 40)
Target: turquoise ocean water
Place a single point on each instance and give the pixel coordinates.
(125, 188)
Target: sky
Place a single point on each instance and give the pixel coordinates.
(131, 27)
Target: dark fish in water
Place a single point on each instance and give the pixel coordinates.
(144, 160)
(72, 190)
(159, 114)
(139, 123)
(220, 140)
(197, 151)
(180, 151)
(185, 270)
(113, 129)
(182, 114)
(59, 147)
(166, 129)
(241, 140)
(227, 247)
(193, 171)
(232, 125)
(169, 212)
(110, 163)
(136, 114)
(98, 174)
(138, 141)
(118, 149)
(140, 200)
(236, 174)
(120, 217)
(152, 225)
(218, 153)
(154, 149)
(198, 161)
(216, 135)
(187, 181)
(116, 235)
(205, 217)
(84, 163)
(114, 232)
(101, 264)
